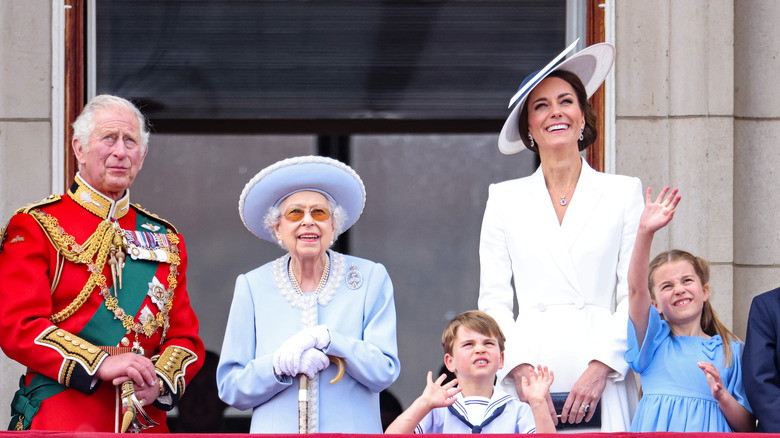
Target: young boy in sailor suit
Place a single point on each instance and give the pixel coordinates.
(474, 351)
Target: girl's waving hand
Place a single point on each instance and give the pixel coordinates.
(655, 216)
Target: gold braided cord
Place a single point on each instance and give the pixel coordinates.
(98, 243)
(174, 259)
(67, 244)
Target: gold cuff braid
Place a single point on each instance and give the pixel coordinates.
(75, 350)
(172, 364)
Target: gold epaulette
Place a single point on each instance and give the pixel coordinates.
(2, 237)
(51, 199)
(154, 216)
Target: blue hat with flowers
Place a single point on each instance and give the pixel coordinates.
(591, 65)
(272, 185)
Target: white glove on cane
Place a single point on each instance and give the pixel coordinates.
(288, 357)
(312, 362)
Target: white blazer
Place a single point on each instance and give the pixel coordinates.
(569, 280)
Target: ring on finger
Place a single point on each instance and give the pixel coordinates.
(587, 408)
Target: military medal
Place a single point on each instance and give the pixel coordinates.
(144, 245)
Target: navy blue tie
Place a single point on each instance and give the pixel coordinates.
(478, 428)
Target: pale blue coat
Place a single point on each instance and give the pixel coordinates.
(362, 326)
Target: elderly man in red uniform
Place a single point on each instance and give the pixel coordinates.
(93, 296)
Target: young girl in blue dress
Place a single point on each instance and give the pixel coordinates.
(689, 362)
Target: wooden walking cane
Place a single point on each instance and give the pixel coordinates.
(303, 394)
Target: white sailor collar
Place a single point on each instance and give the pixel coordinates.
(498, 399)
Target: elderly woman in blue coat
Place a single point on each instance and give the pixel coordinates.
(290, 314)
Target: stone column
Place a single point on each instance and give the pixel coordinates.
(25, 126)
(674, 87)
(756, 152)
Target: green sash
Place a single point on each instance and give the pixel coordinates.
(103, 328)
(27, 399)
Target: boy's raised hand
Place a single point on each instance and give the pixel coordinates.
(657, 214)
(536, 388)
(434, 396)
(437, 395)
(537, 385)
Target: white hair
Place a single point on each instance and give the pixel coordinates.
(338, 214)
(85, 122)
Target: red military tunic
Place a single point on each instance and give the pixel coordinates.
(61, 315)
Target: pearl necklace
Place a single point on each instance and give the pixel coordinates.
(323, 278)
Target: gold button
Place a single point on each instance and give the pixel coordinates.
(125, 342)
(92, 350)
(60, 333)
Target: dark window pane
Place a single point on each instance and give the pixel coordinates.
(408, 60)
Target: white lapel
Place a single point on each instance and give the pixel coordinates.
(543, 218)
(564, 236)
(540, 210)
(583, 204)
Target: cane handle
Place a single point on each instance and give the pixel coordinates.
(341, 367)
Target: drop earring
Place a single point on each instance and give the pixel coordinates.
(582, 133)
(530, 137)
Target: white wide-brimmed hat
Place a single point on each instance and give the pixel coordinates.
(272, 185)
(591, 65)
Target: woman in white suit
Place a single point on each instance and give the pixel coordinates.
(560, 240)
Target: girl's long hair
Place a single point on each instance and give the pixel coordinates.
(710, 323)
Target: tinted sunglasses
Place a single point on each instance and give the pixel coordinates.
(296, 214)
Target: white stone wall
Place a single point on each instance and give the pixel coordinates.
(697, 93)
(25, 127)
(674, 110)
(756, 152)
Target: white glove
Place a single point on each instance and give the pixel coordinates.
(287, 358)
(320, 334)
(312, 362)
